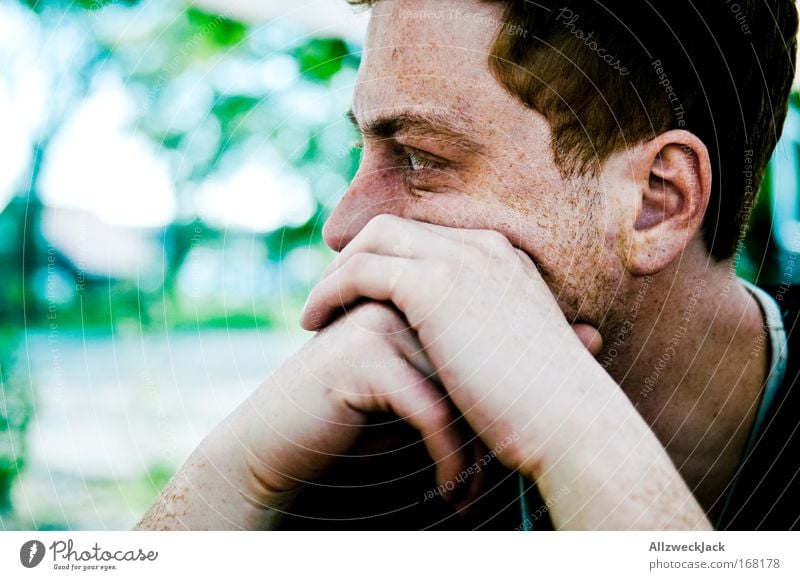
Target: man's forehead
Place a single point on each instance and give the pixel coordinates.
(427, 33)
(428, 57)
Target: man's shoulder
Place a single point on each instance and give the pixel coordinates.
(787, 297)
(769, 482)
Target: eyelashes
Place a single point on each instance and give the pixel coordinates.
(415, 161)
(421, 172)
(411, 161)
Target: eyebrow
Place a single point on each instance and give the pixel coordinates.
(415, 124)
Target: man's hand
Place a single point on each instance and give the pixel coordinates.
(512, 365)
(316, 406)
(482, 323)
(294, 426)
(489, 323)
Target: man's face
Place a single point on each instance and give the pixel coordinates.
(445, 143)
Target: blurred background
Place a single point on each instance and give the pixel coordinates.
(165, 170)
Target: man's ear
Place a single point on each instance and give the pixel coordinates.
(673, 185)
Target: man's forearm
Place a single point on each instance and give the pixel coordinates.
(613, 473)
(210, 493)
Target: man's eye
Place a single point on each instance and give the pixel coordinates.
(416, 161)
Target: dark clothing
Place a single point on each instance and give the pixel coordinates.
(396, 489)
(767, 493)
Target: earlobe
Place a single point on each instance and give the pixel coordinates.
(673, 200)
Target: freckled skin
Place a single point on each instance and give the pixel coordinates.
(577, 230)
(646, 454)
(514, 188)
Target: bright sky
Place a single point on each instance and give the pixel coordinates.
(255, 196)
(322, 17)
(23, 87)
(98, 162)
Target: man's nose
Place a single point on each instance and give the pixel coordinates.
(366, 197)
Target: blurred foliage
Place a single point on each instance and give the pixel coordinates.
(772, 241)
(40, 5)
(16, 409)
(210, 94)
(204, 98)
(322, 58)
(222, 32)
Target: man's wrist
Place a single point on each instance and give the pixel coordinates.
(604, 468)
(232, 471)
(583, 416)
(214, 490)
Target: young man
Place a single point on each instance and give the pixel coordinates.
(536, 274)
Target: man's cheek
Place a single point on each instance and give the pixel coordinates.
(451, 210)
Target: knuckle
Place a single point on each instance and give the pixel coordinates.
(356, 262)
(374, 316)
(382, 221)
(376, 227)
(495, 240)
(525, 259)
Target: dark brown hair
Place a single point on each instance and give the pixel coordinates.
(608, 74)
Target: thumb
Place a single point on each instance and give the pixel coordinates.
(590, 337)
